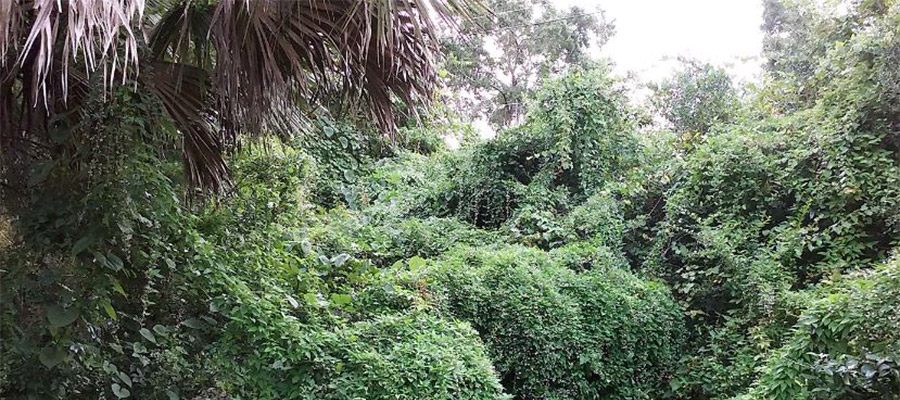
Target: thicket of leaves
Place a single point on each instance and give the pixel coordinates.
(580, 136)
(568, 258)
(554, 332)
(117, 287)
(845, 344)
(796, 192)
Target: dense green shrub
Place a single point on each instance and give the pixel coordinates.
(779, 202)
(290, 320)
(387, 240)
(95, 281)
(343, 151)
(578, 138)
(599, 219)
(551, 332)
(390, 357)
(845, 345)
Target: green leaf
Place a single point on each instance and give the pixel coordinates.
(292, 301)
(416, 262)
(119, 391)
(125, 378)
(311, 298)
(148, 335)
(60, 317)
(306, 247)
(340, 259)
(139, 347)
(52, 356)
(114, 262)
(172, 395)
(81, 244)
(110, 311)
(339, 299)
(160, 330)
(192, 323)
(117, 287)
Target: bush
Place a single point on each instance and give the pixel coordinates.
(411, 356)
(579, 137)
(845, 345)
(99, 264)
(286, 317)
(551, 332)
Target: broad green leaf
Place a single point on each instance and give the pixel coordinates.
(416, 262)
(119, 391)
(60, 317)
(160, 330)
(52, 356)
(81, 244)
(125, 378)
(306, 247)
(114, 262)
(340, 259)
(139, 347)
(148, 335)
(192, 323)
(339, 299)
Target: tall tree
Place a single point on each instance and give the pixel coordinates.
(695, 98)
(496, 60)
(220, 68)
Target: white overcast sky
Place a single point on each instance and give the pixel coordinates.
(723, 32)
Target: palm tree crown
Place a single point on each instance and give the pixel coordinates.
(221, 68)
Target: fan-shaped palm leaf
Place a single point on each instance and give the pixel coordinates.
(231, 67)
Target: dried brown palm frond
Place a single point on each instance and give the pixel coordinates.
(39, 41)
(98, 32)
(223, 69)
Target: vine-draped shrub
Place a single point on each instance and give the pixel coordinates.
(579, 137)
(552, 333)
(413, 356)
(845, 345)
(285, 294)
(99, 264)
(796, 191)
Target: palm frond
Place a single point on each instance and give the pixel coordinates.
(97, 32)
(229, 68)
(271, 53)
(184, 93)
